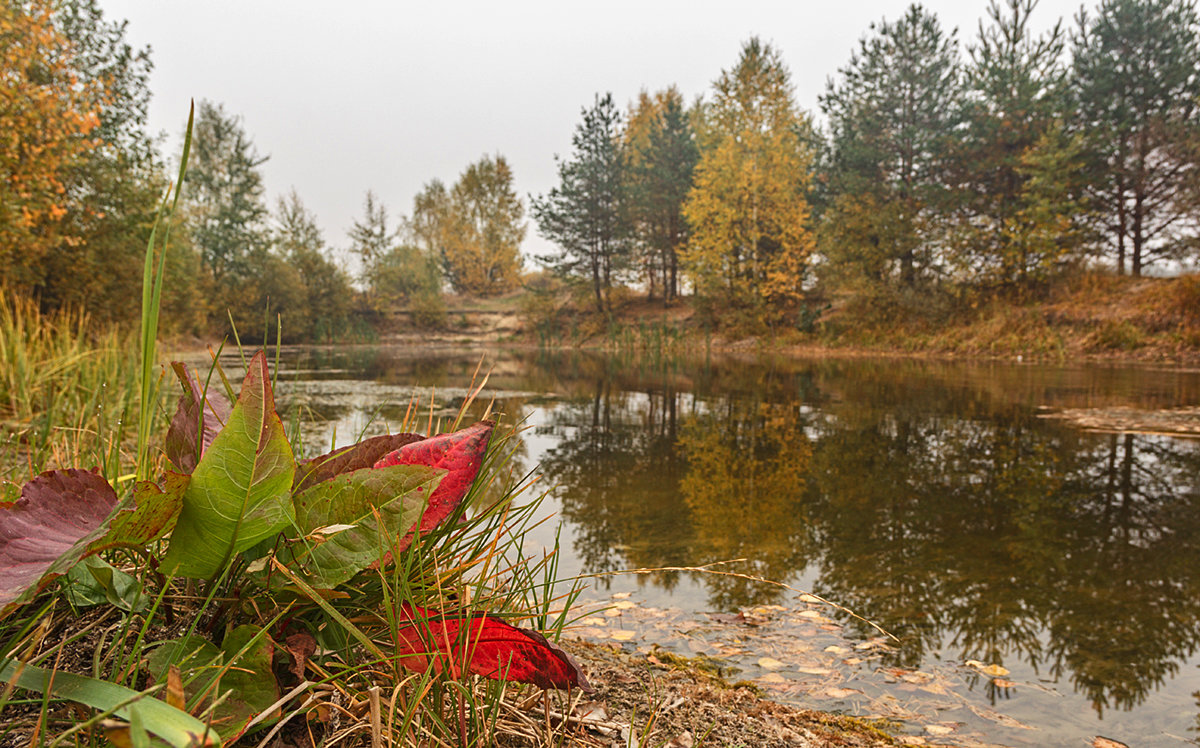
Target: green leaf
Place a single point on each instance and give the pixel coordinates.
(342, 531)
(94, 581)
(241, 669)
(239, 493)
(159, 718)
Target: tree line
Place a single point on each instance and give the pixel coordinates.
(997, 164)
(82, 181)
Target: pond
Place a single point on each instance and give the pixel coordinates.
(1042, 581)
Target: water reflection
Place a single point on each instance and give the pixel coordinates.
(931, 498)
(949, 513)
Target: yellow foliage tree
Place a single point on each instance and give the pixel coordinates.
(47, 115)
(750, 239)
(481, 240)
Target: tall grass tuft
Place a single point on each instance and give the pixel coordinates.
(67, 391)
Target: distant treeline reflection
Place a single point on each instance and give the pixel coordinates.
(930, 498)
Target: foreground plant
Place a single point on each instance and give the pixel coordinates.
(285, 552)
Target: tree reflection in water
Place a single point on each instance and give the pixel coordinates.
(931, 499)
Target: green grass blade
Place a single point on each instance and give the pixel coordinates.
(172, 725)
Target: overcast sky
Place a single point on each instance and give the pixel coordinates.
(348, 96)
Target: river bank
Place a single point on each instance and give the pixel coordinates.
(1094, 317)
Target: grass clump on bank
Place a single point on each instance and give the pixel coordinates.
(67, 391)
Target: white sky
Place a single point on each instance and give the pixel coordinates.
(348, 96)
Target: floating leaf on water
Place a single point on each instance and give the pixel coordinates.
(996, 671)
(626, 605)
(839, 693)
(835, 649)
(621, 595)
(1103, 742)
(769, 663)
(998, 718)
(941, 729)
(1004, 683)
(622, 635)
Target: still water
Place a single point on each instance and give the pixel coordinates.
(934, 499)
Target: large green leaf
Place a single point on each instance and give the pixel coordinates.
(239, 492)
(243, 685)
(345, 519)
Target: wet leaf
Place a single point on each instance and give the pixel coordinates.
(998, 718)
(941, 729)
(484, 645)
(198, 419)
(769, 663)
(995, 671)
(1103, 742)
(460, 454)
(239, 493)
(835, 692)
(348, 459)
(372, 505)
(48, 529)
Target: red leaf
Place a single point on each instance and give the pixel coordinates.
(460, 454)
(48, 529)
(196, 416)
(348, 459)
(483, 645)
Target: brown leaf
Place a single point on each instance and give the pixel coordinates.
(175, 695)
(300, 646)
(1102, 742)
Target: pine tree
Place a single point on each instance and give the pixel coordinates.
(224, 191)
(662, 154)
(586, 214)
(1014, 106)
(371, 239)
(891, 117)
(748, 213)
(1138, 100)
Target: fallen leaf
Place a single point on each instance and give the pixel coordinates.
(484, 645)
(840, 693)
(621, 595)
(769, 663)
(300, 646)
(998, 718)
(622, 636)
(1102, 742)
(1003, 683)
(941, 729)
